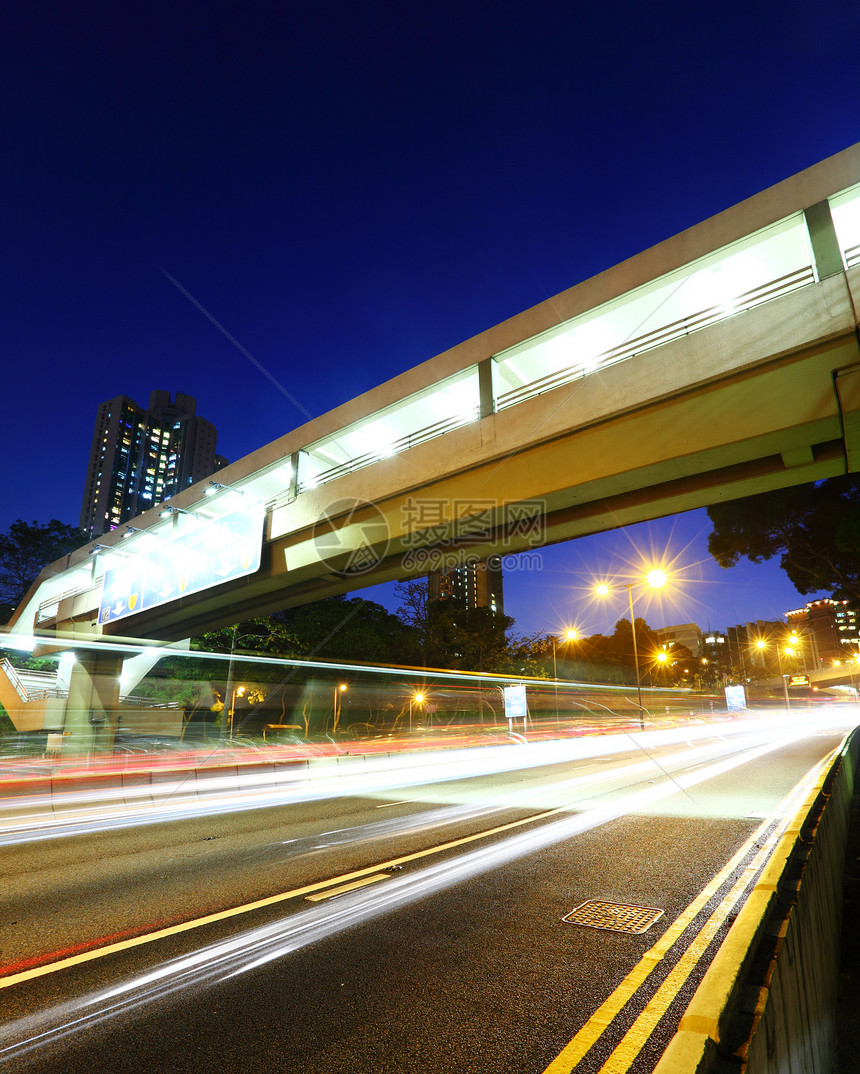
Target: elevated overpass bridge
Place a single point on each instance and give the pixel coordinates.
(720, 363)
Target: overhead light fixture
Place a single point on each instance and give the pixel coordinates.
(96, 548)
(168, 509)
(128, 531)
(216, 486)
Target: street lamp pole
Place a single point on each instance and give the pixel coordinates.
(238, 691)
(636, 657)
(655, 579)
(228, 691)
(569, 636)
(339, 691)
(419, 700)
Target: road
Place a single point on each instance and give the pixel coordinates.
(215, 934)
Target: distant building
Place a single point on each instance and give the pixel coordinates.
(686, 634)
(744, 654)
(477, 584)
(140, 457)
(848, 625)
(826, 630)
(715, 650)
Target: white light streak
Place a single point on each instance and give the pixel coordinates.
(256, 947)
(81, 813)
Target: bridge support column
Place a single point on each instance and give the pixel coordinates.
(847, 382)
(93, 702)
(485, 388)
(822, 239)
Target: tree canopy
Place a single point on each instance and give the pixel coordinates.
(608, 657)
(349, 629)
(333, 628)
(814, 529)
(25, 549)
(450, 635)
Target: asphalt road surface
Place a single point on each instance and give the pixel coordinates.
(395, 917)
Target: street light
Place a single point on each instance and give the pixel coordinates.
(339, 690)
(784, 676)
(654, 579)
(418, 698)
(238, 692)
(229, 687)
(569, 635)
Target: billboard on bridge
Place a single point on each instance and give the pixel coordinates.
(215, 551)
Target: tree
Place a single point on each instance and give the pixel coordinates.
(332, 628)
(672, 664)
(467, 639)
(609, 658)
(414, 611)
(350, 629)
(530, 655)
(450, 635)
(814, 529)
(262, 634)
(25, 549)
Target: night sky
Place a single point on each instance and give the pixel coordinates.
(352, 188)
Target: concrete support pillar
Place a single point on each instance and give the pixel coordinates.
(293, 489)
(822, 238)
(485, 387)
(93, 702)
(847, 383)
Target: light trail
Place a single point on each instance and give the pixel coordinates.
(379, 778)
(228, 958)
(367, 776)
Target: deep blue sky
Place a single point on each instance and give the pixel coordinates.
(352, 188)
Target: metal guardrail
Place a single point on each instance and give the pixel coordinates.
(659, 336)
(12, 675)
(148, 702)
(50, 608)
(420, 436)
(39, 685)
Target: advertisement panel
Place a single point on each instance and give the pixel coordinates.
(216, 550)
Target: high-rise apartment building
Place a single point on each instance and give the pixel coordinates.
(477, 584)
(140, 457)
(826, 630)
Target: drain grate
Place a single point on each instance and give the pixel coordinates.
(614, 916)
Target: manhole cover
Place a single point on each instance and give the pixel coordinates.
(613, 916)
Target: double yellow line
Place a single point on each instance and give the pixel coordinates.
(637, 1035)
(358, 877)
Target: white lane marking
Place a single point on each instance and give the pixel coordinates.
(407, 801)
